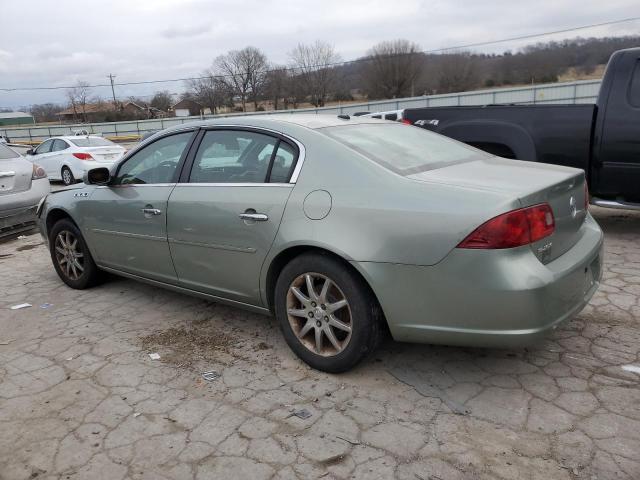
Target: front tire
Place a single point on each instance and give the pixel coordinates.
(71, 257)
(328, 315)
(67, 176)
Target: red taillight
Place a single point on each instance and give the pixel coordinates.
(513, 229)
(406, 122)
(83, 156)
(38, 172)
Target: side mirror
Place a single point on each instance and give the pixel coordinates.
(31, 151)
(97, 176)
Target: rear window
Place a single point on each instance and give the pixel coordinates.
(6, 153)
(403, 149)
(91, 142)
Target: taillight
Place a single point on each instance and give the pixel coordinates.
(83, 156)
(38, 172)
(586, 196)
(513, 229)
(406, 122)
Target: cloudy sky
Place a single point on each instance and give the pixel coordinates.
(57, 43)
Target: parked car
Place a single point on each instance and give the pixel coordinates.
(68, 158)
(600, 138)
(337, 226)
(22, 186)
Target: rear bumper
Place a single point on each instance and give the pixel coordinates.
(488, 298)
(18, 210)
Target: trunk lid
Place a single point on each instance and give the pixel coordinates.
(532, 183)
(15, 175)
(105, 154)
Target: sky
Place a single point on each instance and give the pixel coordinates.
(58, 43)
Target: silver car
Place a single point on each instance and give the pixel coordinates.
(22, 186)
(340, 227)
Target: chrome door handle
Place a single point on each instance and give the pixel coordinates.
(151, 211)
(256, 217)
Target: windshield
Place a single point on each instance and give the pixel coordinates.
(401, 148)
(91, 142)
(6, 153)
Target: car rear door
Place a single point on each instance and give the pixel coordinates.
(224, 214)
(126, 220)
(55, 159)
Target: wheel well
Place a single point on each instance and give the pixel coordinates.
(54, 216)
(284, 257)
(498, 149)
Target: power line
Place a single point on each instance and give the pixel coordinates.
(334, 64)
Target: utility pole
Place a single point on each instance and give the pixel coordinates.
(113, 91)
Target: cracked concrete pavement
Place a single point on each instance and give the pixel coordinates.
(81, 399)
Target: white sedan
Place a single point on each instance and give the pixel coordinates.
(67, 158)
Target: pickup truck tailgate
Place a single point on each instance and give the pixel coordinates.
(531, 183)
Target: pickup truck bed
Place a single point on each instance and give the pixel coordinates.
(533, 132)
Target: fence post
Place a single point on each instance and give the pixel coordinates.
(575, 92)
(535, 95)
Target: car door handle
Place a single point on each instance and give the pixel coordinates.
(256, 217)
(151, 211)
(7, 174)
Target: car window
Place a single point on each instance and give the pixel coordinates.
(283, 163)
(403, 149)
(59, 145)
(391, 116)
(92, 142)
(232, 156)
(6, 153)
(155, 163)
(44, 147)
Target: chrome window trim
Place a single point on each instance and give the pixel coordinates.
(129, 185)
(301, 150)
(257, 184)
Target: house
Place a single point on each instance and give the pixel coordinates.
(187, 108)
(15, 118)
(90, 112)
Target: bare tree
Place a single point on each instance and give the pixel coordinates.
(315, 67)
(458, 72)
(392, 69)
(276, 85)
(45, 112)
(244, 71)
(210, 91)
(78, 97)
(162, 100)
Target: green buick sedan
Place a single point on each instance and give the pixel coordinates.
(340, 227)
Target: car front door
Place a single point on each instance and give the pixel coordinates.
(42, 156)
(224, 214)
(126, 220)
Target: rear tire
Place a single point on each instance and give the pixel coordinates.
(71, 257)
(67, 176)
(343, 312)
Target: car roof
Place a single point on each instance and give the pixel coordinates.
(310, 121)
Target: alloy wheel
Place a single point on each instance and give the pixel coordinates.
(319, 314)
(68, 255)
(67, 177)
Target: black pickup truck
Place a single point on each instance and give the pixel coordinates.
(602, 139)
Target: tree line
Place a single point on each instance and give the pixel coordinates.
(245, 79)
